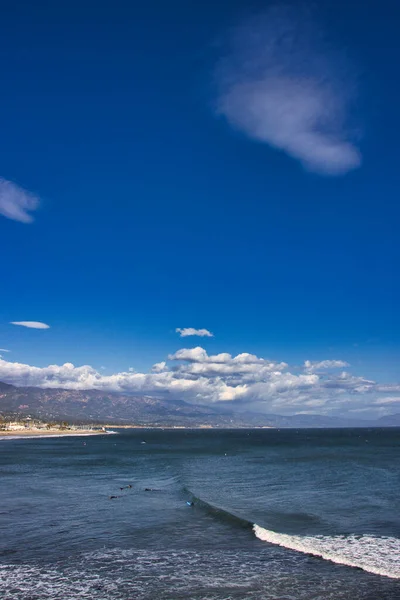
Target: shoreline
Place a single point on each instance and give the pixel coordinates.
(45, 434)
(180, 427)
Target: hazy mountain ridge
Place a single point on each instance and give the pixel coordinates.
(107, 407)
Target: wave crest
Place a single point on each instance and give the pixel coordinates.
(378, 555)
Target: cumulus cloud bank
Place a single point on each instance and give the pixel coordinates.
(16, 203)
(31, 324)
(187, 331)
(247, 380)
(281, 84)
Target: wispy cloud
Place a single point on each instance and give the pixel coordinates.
(187, 331)
(31, 324)
(4, 350)
(388, 400)
(16, 203)
(281, 84)
(312, 366)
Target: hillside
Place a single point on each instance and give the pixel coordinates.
(94, 406)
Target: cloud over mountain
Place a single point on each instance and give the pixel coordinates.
(192, 375)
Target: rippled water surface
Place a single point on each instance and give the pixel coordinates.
(307, 514)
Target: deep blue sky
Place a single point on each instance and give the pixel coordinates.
(156, 214)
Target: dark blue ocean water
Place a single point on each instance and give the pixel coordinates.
(325, 505)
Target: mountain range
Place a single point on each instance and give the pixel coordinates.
(94, 406)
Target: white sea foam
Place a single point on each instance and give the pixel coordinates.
(124, 574)
(378, 555)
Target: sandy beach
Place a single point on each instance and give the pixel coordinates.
(28, 433)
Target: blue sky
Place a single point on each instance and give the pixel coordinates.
(229, 167)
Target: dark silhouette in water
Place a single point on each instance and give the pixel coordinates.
(125, 487)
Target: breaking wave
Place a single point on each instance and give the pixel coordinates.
(378, 555)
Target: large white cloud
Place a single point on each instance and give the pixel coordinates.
(224, 364)
(16, 203)
(281, 84)
(246, 380)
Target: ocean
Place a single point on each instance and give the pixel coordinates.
(210, 514)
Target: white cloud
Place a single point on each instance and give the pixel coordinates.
(311, 366)
(388, 387)
(187, 331)
(31, 324)
(247, 366)
(159, 367)
(388, 400)
(249, 381)
(281, 84)
(346, 381)
(197, 354)
(16, 203)
(366, 409)
(4, 350)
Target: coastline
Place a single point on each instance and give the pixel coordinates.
(44, 433)
(191, 427)
(23, 434)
